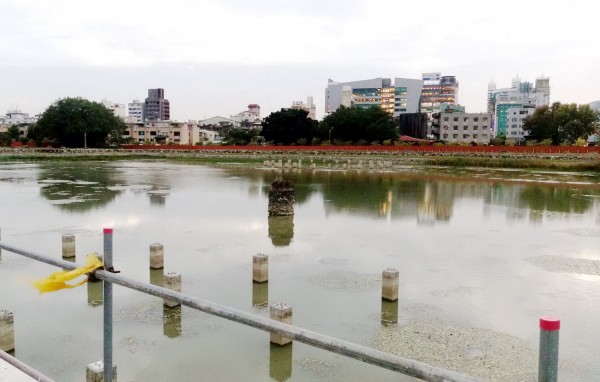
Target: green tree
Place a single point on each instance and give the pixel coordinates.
(561, 123)
(77, 122)
(240, 136)
(288, 126)
(346, 124)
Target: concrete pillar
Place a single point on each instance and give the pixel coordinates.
(157, 256)
(172, 281)
(91, 277)
(283, 313)
(281, 198)
(260, 268)
(68, 245)
(95, 372)
(7, 331)
(389, 284)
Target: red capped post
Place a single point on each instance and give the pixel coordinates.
(548, 362)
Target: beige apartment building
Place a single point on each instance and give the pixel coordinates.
(465, 127)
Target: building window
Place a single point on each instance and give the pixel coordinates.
(456, 118)
(466, 119)
(445, 118)
(475, 127)
(513, 133)
(475, 119)
(474, 135)
(455, 127)
(455, 136)
(465, 127)
(465, 136)
(445, 135)
(176, 133)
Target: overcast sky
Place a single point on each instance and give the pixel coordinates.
(216, 57)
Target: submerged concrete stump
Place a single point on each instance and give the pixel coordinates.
(283, 313)
(172, 281)
(389, 284)
(281, 198)
(68, 245)
(260, 268)
(7, 331)
(157, 256)
(95, 372)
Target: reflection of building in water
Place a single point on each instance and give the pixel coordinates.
(436, 202)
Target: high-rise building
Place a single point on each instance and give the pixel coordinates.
(396, 98)
(438, 89)
(135, 111)
(509, 106)
(156, 107)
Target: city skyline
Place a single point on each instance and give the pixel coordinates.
(216, 57)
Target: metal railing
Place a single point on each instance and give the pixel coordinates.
(362, 353)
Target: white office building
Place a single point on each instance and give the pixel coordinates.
(402, 96)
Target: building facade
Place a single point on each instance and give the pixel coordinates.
(459, 127)
(396, 98)
(162, 132)
(248, 119)
(135, 111)
(521, 95)
(156, 107)
(118, 109)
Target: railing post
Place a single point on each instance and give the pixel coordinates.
(548, 362)
(108, 305)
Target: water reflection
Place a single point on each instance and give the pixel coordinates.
(172, 321)
(95, 293)
(281, 230)
(260, 295)
(430, 197)
(156, 276)
(280, 362)
(78, 187)
(389, 313)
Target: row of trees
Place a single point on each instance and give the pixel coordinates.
(561, 123)
(346, 124)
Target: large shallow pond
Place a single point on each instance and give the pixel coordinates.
(481, 255)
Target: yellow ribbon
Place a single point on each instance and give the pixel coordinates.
(58, 280)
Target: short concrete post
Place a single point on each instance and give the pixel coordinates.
(95, 372)
(389, 284)
(283, 313)
(157, 256)
(260, 268)
(68, 245)
(7, 331)
(172, 281)
(548, 361)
